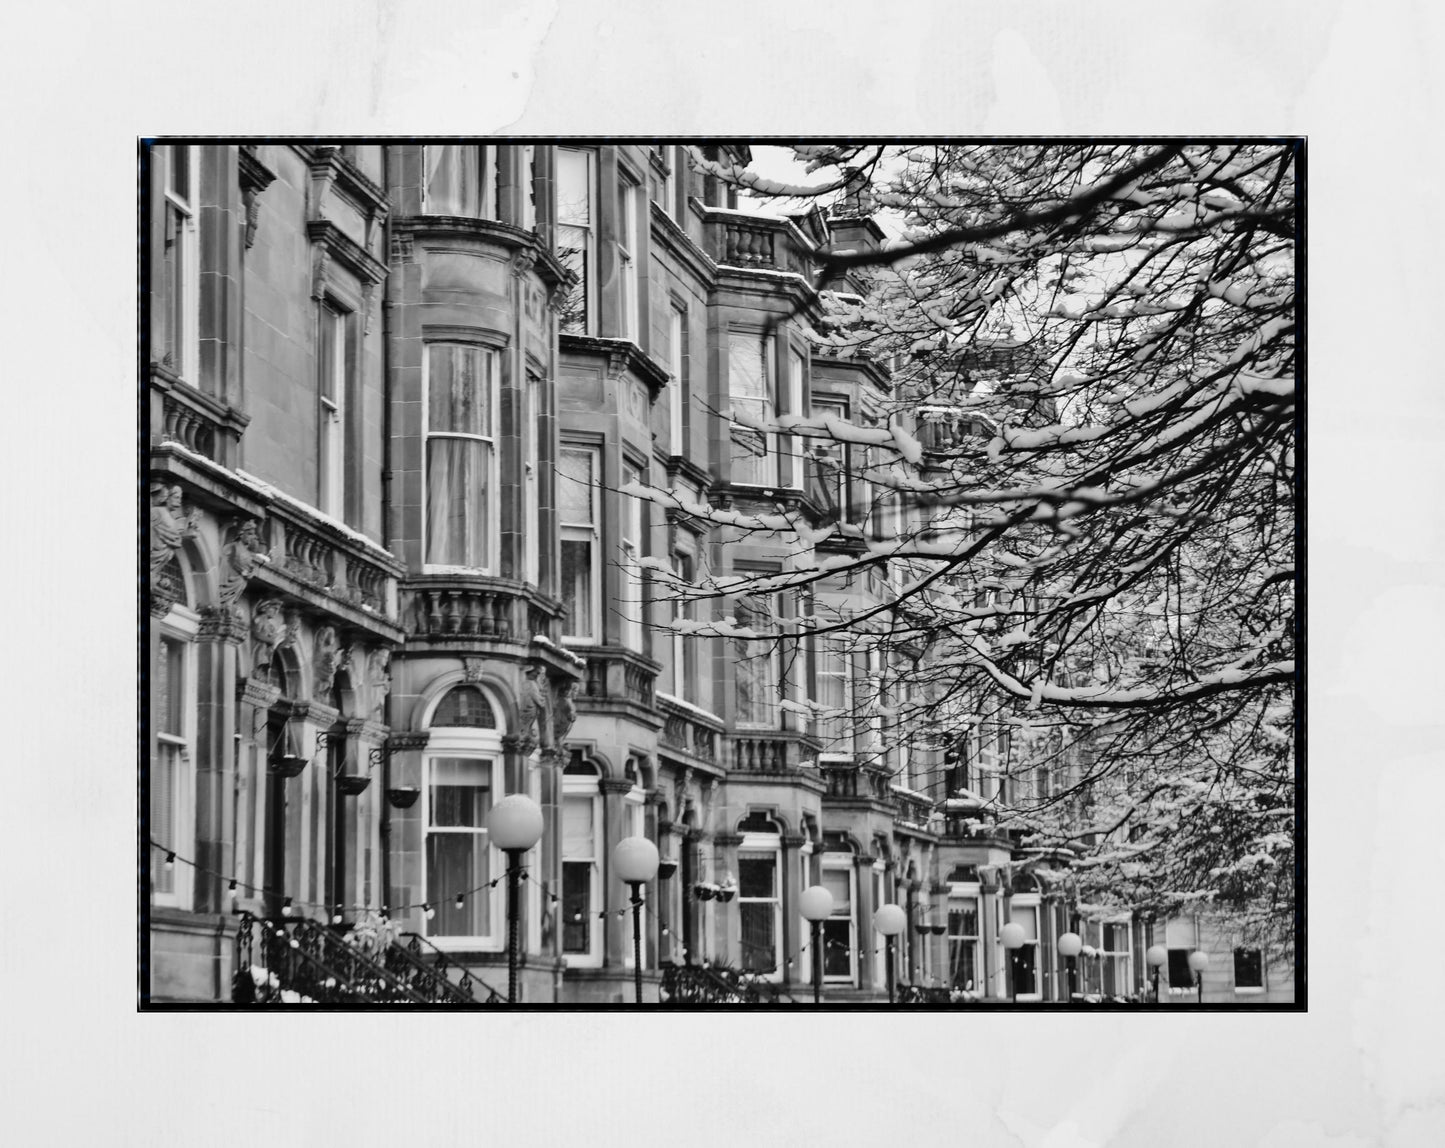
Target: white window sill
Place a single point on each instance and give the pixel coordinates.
(1246, 991)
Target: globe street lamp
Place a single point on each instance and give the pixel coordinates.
(1156, 956)
(1069, 946)
(514, 825)
(890, 920)
(1012, 936)
(635, 860)
(1198, 962)
(816, 905)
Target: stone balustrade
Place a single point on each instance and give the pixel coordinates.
(771, 751)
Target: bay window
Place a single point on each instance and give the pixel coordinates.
(835, 695)
(683, 646)
(181, 258)
(461, 459)
(577, 477)
(461, 179)
(750, 390)
(576, 238)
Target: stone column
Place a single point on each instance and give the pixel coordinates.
(549, 764)
(255, 701)
(215, 775)
(863, 918)
(617, 929)
(791, 880)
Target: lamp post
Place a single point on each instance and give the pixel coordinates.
(635, 860)
(514, 825)
(890, 920)
(1156, 956)
(1012, 936)
(1070, 944)
(1198, 962)
(816, 905)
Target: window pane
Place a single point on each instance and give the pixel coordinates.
(577, 907)
(465, 706)
(456, 863)
(577, 832)
(577, 588)
(837, 947)
(962, 964)
(755, 877)
(180, 171)
(1025, 980)
(756, 920)
(164, 780)
(170, 687)
(1028, 920)
(1180, 974)
(459, 389)
(963, 922)
(1248, 969)
(574, 491)
(460, 792)
(452, 183)
(457, 509)
(836, 882)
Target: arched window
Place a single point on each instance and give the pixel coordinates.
(462, 780)
(465, 706)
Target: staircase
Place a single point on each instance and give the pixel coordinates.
(715, 985)
(300, 961)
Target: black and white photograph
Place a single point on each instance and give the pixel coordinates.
(625, 574)
(723, 573)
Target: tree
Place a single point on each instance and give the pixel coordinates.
(1082, 498)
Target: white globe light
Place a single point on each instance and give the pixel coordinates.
(815, 903)
(890, 920)
(1198, 961)
(515, 823)
(1157, 955)
(1012, 935)
(635, 859)
(1070, 944)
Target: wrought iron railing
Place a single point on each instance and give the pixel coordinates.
(303, 962)
(716, 984)
(425, 968)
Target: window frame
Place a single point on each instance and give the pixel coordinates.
(753, 847)
(490, 534)
(629, 276)
(183, 303)
(678, 368)
(631, 550)
(767, 408)
(180, 627)
(1027, 903)
(1244, 989)
(590, 532)
(588, 278)
(966, 894)
(845, 863)
(771, 660)
(578, 788)
(830, 455)
(334, 445)
(475, 744)
(795, 375)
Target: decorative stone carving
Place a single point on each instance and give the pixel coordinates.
(564, 712)
(239, 559)
(221, 625)
(402, 247)
(534, 711)
(170, 524)
(324, 660)
(320, 268)
(472, 668)
(268, 630)
(523, 260)
(368, 292)
(378, 677)
(256, 177)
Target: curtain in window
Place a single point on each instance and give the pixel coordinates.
(452, 186)
(750, 393)
(963, 948)
(459, 402)
(757, 899)
(755, 676)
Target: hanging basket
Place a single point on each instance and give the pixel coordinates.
(403, 797)
(352, 784)
(666, 869)
(289, 765)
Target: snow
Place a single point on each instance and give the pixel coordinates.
(543, 640)
(309, 511)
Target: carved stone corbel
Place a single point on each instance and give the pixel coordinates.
(255, 177)
(324, 660)
(239, 559)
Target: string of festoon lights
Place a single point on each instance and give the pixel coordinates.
(291, 905)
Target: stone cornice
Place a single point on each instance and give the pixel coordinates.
(622, 355)
(346, 251)
(678, 243)
(545, 264)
